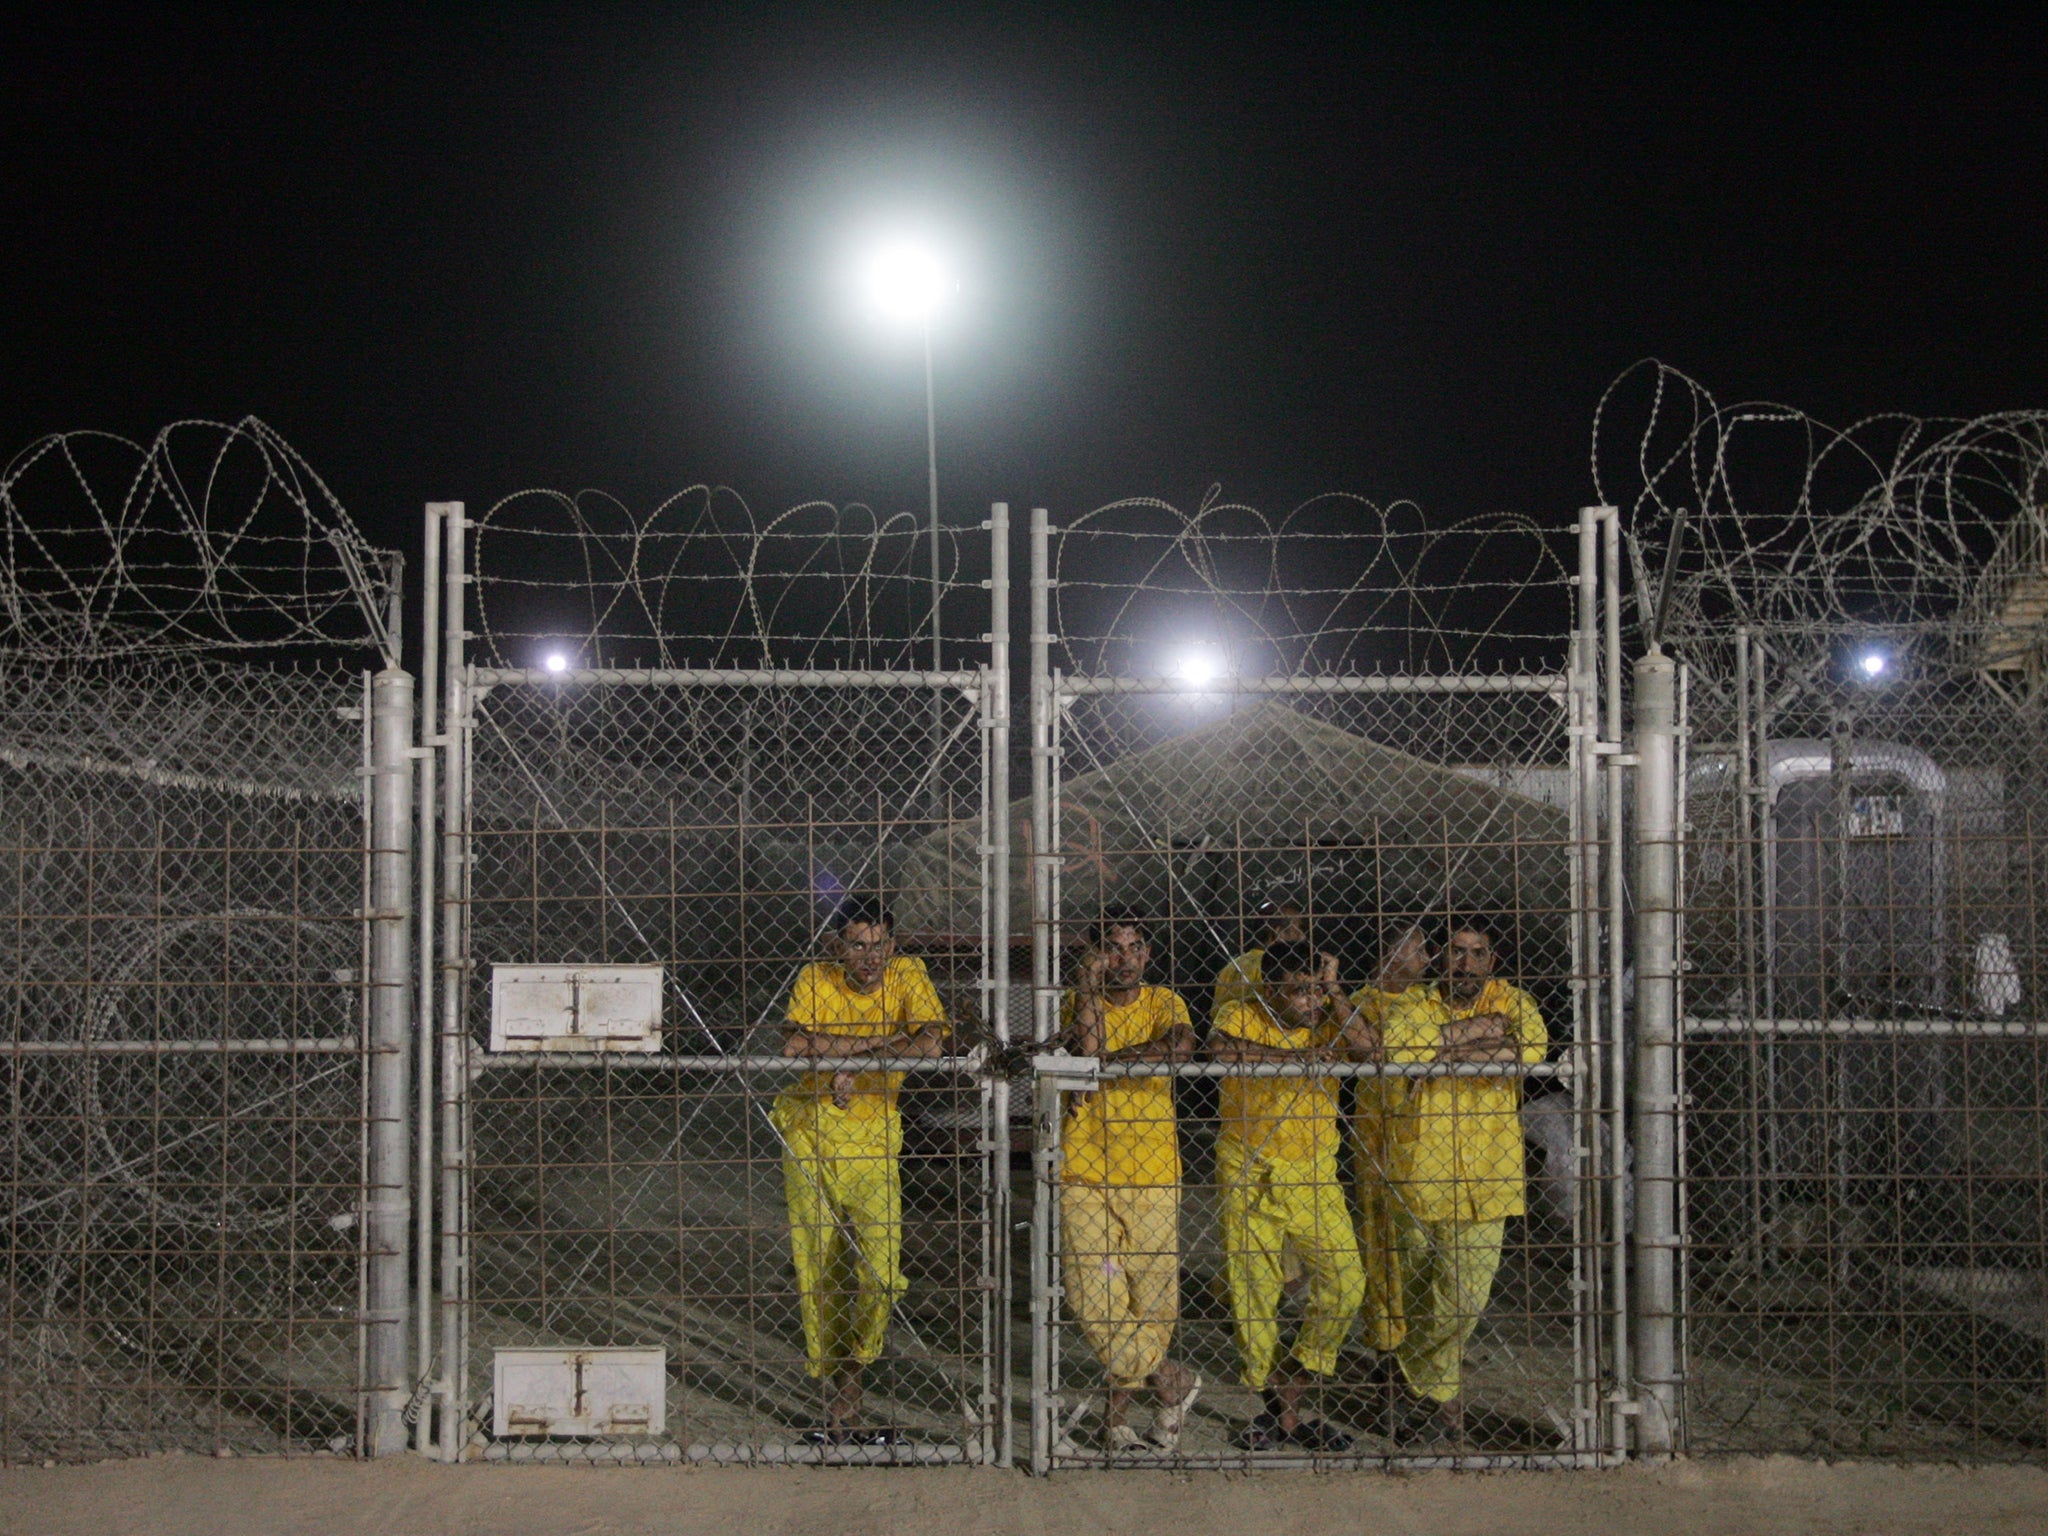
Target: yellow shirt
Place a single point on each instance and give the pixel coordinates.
(1123, 1133)
(1457, 1142)
(1288, 1119)
(824, 1003)
(1378, 1097)
(1238, 982)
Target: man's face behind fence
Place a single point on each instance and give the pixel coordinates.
(1296, 999)
(1468, 963)
(864, 951)
(1408, 960)
(1125, 955)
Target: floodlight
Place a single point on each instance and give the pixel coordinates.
(1873, 664)
(907, 280)
(556, 662)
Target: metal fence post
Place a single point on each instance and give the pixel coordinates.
(388, 1223)
(451, 1389)
(425, 1364)
(1653, 1319)
(1041, 980)
(997, 885)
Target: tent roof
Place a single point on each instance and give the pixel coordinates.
(1270, 782)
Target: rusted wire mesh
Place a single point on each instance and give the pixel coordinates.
(183, 857)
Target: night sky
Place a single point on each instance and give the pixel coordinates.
(456, 252)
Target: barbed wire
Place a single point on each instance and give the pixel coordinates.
(701, 581)
(1338, 584)
(214, 538)
(1758, 515)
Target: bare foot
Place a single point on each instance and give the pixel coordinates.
(845, 1405)
(1171, 1381)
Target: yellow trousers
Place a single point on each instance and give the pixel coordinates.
(1385, 1312)
(845, 1199)
(1120, 1267)
(1265, 1203)
(1449, 1268)
(1380, 1213)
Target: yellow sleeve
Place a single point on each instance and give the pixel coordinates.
(805, 999)
(1410, 1035)
(1235, 982)
(1529, 1030)
(1243, 1021)
(920, 1000)
(1371, 1004)
(1165, 1019)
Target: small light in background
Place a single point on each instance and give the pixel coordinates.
(556, 662)
(1873, 664)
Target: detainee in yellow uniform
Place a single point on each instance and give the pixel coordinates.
(1238, 982)
(1457, 1167)
(1120, 1184)
(1277, 1178)
(1404, 966)
(1285, 921)
(842, 1139)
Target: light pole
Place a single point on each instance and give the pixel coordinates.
(931, 465)
(908, 281)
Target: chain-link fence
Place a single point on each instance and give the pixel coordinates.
(185, 1057)
(204, 1051)
(1392, 1085)
(1861, 1059)
(1863, 1067)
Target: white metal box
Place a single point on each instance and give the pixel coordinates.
(576, 1007)
(579, 1392)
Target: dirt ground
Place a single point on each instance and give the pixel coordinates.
(168, 1496)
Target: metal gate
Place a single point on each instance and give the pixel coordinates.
(1207, 810)
(639, 865)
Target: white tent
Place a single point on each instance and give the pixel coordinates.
(1271, 793)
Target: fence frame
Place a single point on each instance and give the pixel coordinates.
(447, 1071)
(1595, 1062)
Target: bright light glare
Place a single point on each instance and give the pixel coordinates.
(556, 662)
(907, 280)
(1198, 667)
(1872, 664)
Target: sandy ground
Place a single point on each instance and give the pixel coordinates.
(169, 1495)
